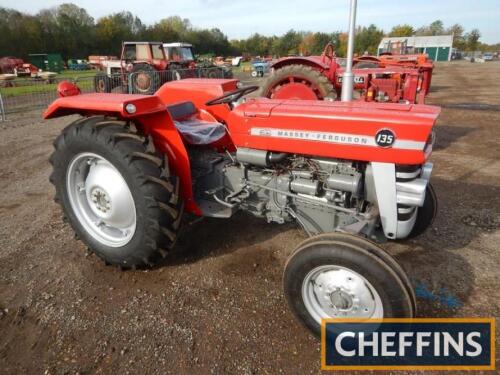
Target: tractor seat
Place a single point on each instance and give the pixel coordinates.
(194, 130)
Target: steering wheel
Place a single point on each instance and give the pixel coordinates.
(232, 96)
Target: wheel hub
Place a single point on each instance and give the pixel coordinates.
(101, 199)
(331, 291)
(296, 90)
(341, 300)
(143, 81)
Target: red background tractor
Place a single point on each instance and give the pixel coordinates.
(13, 65)
(384, 79)
(144, 67)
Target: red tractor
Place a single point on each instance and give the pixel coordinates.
(352, 174)
(384, 79)
(13, 65)
(143, 67)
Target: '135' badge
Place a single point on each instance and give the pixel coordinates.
(385, 138)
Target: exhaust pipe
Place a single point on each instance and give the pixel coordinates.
(348, 76)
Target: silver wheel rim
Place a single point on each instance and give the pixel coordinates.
(101, 199)
(332, 291)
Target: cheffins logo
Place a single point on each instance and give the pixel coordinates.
(404, 344)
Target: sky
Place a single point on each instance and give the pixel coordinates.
(239, 19)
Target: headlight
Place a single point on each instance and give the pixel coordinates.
(130, 108)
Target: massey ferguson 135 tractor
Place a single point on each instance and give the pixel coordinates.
(387, 78)
(351, 174)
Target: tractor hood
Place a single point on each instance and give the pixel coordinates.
(383, 132)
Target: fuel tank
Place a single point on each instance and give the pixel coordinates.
(376, 132)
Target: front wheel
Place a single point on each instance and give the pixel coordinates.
(115, 193)
(344, 276)
(425, 214)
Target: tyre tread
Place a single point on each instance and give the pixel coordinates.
(164, 208)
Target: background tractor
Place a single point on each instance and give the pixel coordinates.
(180, 57)
(13, 65)
(143, 67)
(382, 79)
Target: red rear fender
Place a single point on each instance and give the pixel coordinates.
(319, 62)
(150, 115)
(104, 104)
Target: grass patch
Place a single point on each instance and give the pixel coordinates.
(77, 73)
(31, 86)
(27, 90)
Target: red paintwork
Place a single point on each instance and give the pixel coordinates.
(408, 122)
(295, 90)
(199, 91)
(9, 65)
(67, 88)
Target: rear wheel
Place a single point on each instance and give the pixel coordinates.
(145, 79)
(343, 276)
(117, 195)
(298, 82)
(213, 73)
(175, 74)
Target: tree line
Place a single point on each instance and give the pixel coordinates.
(71, 31)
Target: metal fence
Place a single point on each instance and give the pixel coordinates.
(24, 94)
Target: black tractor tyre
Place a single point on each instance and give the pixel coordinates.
(145, 79)
(155, 192)
(227, 73)
(425, 214)
(175, 73)
(214, 73)
(102, 83)
(324, 88)
(356, 254)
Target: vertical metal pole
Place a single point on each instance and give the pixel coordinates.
(130, 83)
(2, 108)
(348, 76)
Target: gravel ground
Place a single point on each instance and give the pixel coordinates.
(216, 305)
